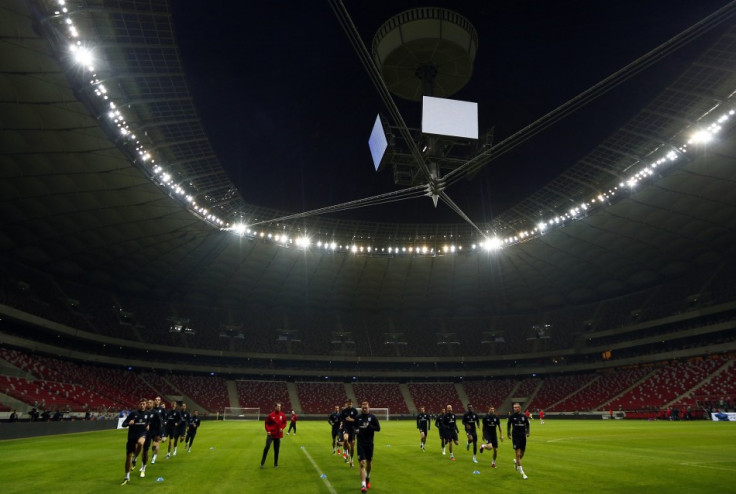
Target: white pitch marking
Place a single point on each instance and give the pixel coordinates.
(316, 467)
(709, 465)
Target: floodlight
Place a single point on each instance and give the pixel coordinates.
(302, 242)
(493, 243)
(701, 137)
(82, 56)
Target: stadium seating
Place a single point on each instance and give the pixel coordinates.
(320, 397)
(263, 394)
(209, 392)
(435, 396)
(382, 395)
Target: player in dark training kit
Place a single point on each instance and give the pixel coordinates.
(470, 421)
(172, 422)
(347, 417)
(449, 427)
(491, 423)
(147, 444)
(423, 424)
(157, 427)
(517, 429)
(440, 429)
(181, 429)
(366, 426)
(194, 422)
(137, 424)
(334, 421)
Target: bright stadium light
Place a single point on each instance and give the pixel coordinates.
(493, 243)
(82, 55)
(701, 136)
(302, 242)
(239, 229)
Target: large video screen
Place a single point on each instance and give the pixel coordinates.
(377, 142)
(449, 117)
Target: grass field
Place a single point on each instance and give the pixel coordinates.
(562, 456)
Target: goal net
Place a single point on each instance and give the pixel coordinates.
(381, 413)
(241, 413)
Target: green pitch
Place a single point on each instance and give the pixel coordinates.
(562, 456)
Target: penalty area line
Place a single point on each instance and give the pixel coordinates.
(709, 464)
(322, 475)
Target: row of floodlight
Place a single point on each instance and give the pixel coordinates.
(493, 243)
(699, 137)
(418, 248)
(84, 56)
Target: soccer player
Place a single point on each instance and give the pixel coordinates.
(541, 417)
(334, 421)
(275, 425)
(423, 424)
(471, 421)
(192, 431)
(491, 423)
(347, 417)
(147, 444)
(366, 426)
(137, 424)
(292, 423)
(156, 427)
(172, 423)
(517, 429)
(449, 424)
(181, 430)
(440, 429)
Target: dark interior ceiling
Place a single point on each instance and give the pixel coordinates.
(74, 205)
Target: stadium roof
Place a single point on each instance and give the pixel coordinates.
(81, 200)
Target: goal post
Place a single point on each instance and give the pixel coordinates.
(241, 413)
(381, 413)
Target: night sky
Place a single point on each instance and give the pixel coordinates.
(289, 108)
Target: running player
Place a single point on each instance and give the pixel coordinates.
(347, 417)
(449, 423)
(181, 429)
(334, 421)
(491, 423)
(192, 429)
(517, 429)
(172, 422)
(440, 429)
(423, 424)
(366, 426)
(157, 426)
(137, 424)
(470, 421)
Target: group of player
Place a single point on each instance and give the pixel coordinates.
(517, 429)
(349, 425)
(150, 425)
